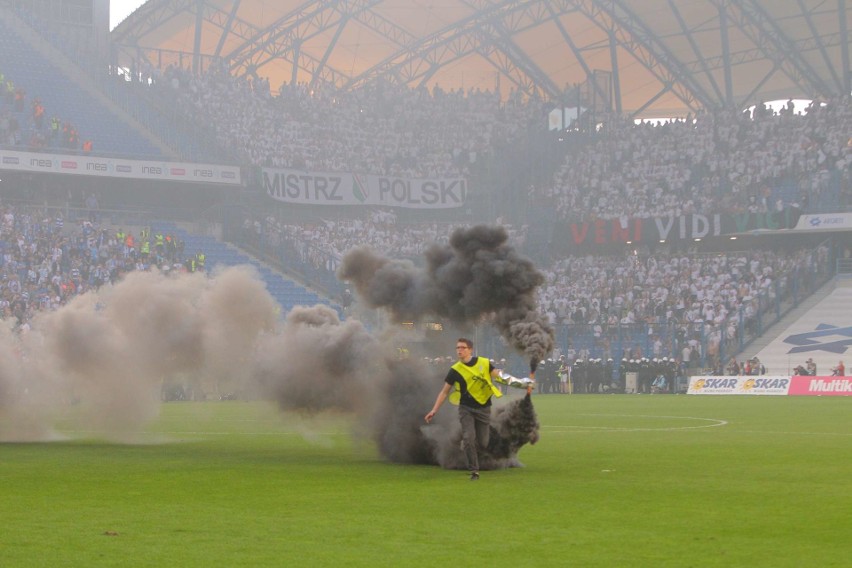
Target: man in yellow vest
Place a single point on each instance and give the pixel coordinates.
(470, 380)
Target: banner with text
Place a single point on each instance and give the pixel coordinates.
(821, 386)
(825, 222)
(117, 167)
(323, 188)
(634, 230)
(761, 385)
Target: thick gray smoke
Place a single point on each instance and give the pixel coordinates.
(404, 438)
(98, 366)
(99, 363)
(478, 275)
(316, 362)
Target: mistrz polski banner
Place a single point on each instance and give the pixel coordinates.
(323, 188)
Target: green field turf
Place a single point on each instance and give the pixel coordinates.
(616, 480)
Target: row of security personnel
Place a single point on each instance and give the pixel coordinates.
(657, 372)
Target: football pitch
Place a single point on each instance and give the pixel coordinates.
(619, 480)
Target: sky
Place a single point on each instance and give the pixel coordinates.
(120, 9)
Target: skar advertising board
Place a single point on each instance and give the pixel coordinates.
(761, 385)
(772, 385)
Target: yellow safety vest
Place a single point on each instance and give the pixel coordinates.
(478, 381)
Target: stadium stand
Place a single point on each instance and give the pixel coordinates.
(286, 291)
(382, 129)
(63, 97)
(721, 161)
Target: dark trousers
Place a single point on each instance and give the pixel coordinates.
(475, 425)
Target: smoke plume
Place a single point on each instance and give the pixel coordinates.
(100, 362)
(478, 275)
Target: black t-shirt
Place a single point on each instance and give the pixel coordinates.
(454, 377)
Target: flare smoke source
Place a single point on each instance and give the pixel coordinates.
(477, 275)
(401, 436)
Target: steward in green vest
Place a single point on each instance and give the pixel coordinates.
(468, 384)
(477, 383)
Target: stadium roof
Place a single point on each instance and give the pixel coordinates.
(647, 58)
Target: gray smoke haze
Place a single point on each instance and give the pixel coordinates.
(477, 276)
(97, 367)
(99, 362)
(402, 436)
(317, 363)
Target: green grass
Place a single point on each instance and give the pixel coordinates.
(615, 481)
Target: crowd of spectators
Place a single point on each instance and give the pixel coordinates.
(379, 129)
(326, 241)
(630, 289)
(717, 161)
(44, 262)
(717, 297)
(25, 125)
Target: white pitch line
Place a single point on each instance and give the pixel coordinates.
(843, 434)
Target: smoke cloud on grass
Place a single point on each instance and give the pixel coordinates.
(97, 366)
(99, 363)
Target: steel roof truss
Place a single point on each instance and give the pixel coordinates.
(261, 37)
(226, 29)
(414, 61)
(760, 28)
(402, 59)
(747, 100)
(384, 27)
(515, 58)
(810, 21)
(156, 13)
(696, 50)
(578, 54)
(649, 102)
(313, 19)
(637, 45)
(316, 75)
(505, 56)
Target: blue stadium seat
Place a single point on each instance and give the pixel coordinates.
(286, 292)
